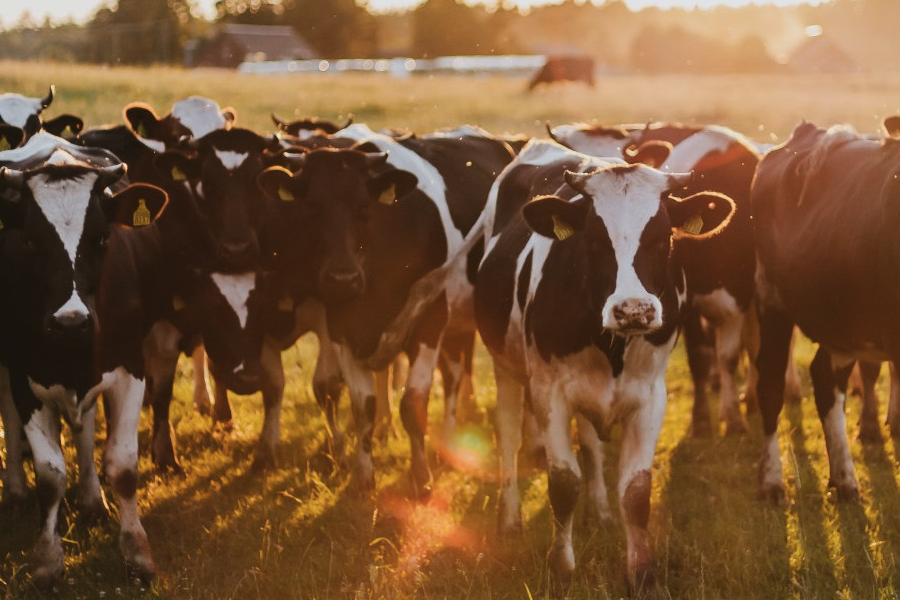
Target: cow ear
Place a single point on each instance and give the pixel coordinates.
(142, 120)
(652, 153)
(278, 183)
(555, 218)
(67, 126)
(137, 205)
(10, 136)
(390, 186)
(177, 165)
(699, 216)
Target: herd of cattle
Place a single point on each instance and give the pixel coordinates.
(578, 260)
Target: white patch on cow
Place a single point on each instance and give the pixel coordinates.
(61, 399)
(719, 305)
(15, 108)
(73, 307)
(155, 145)
(200, 115)
(236, 291)
(689, 152)
(626, 203)
(231, 160)
(579, 137)
(40, 144)
(64, 202)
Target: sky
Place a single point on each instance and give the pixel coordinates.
(81, 10)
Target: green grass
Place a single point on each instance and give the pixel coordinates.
(223, 532)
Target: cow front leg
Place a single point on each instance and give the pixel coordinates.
(272, 393)
(414, 416)
(829, 376)
(123, 403)
(361, 387)
(202, 402)
(595, 486)
(869, 426)
(640, 432)
(43, 430)
(91, 504)
(699, 351)
(728, 349)
(161, 354)
(14, 484)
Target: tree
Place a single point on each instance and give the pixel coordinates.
(449, 27)
(335, 28)
(140, 31)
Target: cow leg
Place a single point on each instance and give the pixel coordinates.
(221, 406)
(383, 417)
(829, 375)
(202, 403)
(414, 415)
(272, 393)
(792, 391)
(699, 356)
(750, 342)
(869, 426)
(775, 343)
(640, 432)
(161, 353)
(455, 364)
(728, 349)
(508, 421)
(893, 412)
(14, 486)
(123, 411)
(91, 504)
(43, 431)
(592, 459)
(361, 387)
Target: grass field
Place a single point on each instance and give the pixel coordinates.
(223, 532)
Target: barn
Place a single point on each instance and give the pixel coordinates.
(235, 44)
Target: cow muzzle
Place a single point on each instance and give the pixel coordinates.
(238, 256)
(342, 285)
(69, 326)
(633, 316)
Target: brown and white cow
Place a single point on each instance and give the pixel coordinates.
(74, 263)
(577, 299)
(375, 225)
(564, 68)
(721, 272)
(825, 213)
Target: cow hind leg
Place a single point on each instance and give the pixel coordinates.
(893, 412)
(202, 402)
(161, 362)
(829, 377)
(728, 349)
(414, 416)
(91, 504)
(508, 422)
(272, 393)
(699, 350)
(869, 426)
(592, 460)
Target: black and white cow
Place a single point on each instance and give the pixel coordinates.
(825, 212)
(378, 224)
(720, 273)
(23, 112)
(73, 318)
(578, 300)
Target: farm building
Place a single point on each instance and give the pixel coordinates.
(236, 44)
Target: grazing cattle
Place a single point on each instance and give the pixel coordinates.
(564, 68)
(824, 213)
(577, 299)
(74, 271)
(721, 272)
(375, 225)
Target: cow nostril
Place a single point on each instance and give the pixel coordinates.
(70, 322)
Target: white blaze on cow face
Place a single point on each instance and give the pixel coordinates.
(200, 115)
(231, 160)
(626, 203)
(65, 203)
(236, 291)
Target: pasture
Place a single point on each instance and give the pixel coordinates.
(225, 532)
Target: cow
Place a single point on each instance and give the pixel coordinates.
(577, 300)
(824, 207)
(376, 226)
(24, 113)
(564, 68)
(721, 272)
(73, 317)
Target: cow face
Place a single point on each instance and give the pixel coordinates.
(338, 196)
(56, 232)
(221, 176)
(24, 112)
(192, 117)
(623, 220)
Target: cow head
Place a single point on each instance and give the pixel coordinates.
(337, 196)
(56, 231)
(621, 220)
(303, 128)
(220, 172)
(192, 117)
(24, 112)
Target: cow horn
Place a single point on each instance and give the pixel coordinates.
(551, 134)
(281, 123)
(376, 159)
(348, 123)
(49, 97)
(112, 173)
(13, 177)
(576, 181)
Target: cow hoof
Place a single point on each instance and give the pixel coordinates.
(47, 578)
(870, 434)
(701, 429)
(845, 492)
(773, 494)
(562, 564)
(145, 573)
(736, 428)
(262, 462)
(92, 513)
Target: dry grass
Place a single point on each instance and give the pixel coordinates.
(223, 532)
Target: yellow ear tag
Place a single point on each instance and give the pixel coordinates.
(388, 196)
(285, 194)
(178, 175)
(694, 225)
(561, 229)
(177, 303)
(286, 304)
(4, 144)
(141, 216)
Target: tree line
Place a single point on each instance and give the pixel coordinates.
(753, 38)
